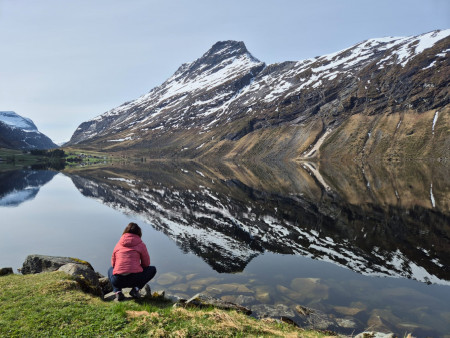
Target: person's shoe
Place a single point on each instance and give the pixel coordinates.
(135, 293)
(119, 296)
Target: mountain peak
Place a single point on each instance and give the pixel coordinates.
(228, 47)
(222, 51)
(16, 121)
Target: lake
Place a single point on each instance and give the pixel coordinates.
(369, 245)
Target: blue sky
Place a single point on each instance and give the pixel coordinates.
(64, 62)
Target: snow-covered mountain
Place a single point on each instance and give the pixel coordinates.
(226, 95)
(18, 132)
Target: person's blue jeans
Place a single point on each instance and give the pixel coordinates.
(132, 280)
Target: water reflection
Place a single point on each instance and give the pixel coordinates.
(18, 186)
(375, 221)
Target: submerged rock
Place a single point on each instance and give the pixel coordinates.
(372, 334)
(273, 311)
(6, 271)
(200, 300)
(309, 288)
(168, 278)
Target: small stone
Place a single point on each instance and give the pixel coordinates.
(6, 271)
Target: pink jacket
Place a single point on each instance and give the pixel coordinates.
(130, 255)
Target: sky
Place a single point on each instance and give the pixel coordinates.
(65, 62)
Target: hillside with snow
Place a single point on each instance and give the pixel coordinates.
(228, 104)
(17, 132)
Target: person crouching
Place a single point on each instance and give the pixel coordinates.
(130, 263)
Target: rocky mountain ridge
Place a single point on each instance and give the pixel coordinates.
(17, 132)
(229, 104)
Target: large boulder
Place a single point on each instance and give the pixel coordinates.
(42, 263)
(84, 275)
(6, 271)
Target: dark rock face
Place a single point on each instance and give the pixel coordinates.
(42, 263)
(6, 271)
(17, 132)
(227, 95)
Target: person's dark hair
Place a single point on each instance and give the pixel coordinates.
(133, 228)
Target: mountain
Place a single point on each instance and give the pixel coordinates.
(381, 98)
(229, 215)
(17, 132)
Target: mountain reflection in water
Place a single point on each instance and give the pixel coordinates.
(386, 221)
(18, 186)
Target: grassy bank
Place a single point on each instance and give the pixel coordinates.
(51, 304)
(12, 159)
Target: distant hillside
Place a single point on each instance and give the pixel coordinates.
(17, 132)
(381, 98)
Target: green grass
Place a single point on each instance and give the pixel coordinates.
(12, 159)
(51, 304)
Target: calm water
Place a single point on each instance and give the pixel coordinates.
(359, 243)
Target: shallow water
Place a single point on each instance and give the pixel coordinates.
(355, 243)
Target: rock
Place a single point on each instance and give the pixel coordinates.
(240, 299)
(105, 285)
(84, 275)
(6, 271)
(190, 276)
(232, 287)
(348, 311)
(200, 300)
(262, 294)
(145, 293)
(168, 278)
(310, 288)
(273, 311)
(372, 334)
(180, 287)
(381, 320)
(346, 323)
(315, 319)
(42, 263)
